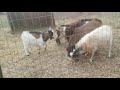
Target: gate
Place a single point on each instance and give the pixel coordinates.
(20, 21)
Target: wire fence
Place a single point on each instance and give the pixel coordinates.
(30, 20)
(11, 48)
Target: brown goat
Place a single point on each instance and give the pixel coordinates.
(68, 29)
(81, 31)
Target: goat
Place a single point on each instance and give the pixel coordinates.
(100, 37)
(80, 32)
(35, 38)
(67, 30)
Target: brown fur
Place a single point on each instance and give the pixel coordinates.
(58, 37)
(58, 33)
(83, 30)
(45, 36)
(71, 28)
(35, 34)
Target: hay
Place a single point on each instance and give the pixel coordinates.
(53, 62)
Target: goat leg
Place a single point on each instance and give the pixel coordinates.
(39, 50)
(86, 54)
(45, 47)
(58, 41)
(26, 50)
(93, 52)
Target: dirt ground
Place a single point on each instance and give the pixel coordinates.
(53, 63)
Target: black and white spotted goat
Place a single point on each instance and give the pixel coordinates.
(36, 38)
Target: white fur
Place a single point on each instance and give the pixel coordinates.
(28, 39)
(71, 53)
(73, 50)
(55, 34)
(50, 29)
(62, 32)
(86, 22)
(97, 38)
(63, 29)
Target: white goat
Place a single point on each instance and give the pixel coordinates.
(99, 37)
(35, 38)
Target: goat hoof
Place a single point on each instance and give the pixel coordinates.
(108, 55)
(44, 49)
(86, 54)
(67, 57)
(91, 60)
(76, 60)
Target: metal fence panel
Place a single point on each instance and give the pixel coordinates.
(30, 20)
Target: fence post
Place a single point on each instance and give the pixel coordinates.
(1, 75)
(53, 19)
(10, 23)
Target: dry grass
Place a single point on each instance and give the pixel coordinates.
(53, 63)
